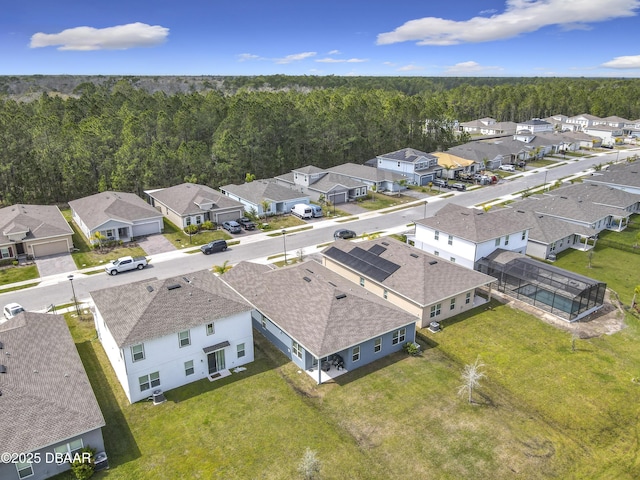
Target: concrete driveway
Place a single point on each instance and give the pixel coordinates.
(154, 244)
(55, 264)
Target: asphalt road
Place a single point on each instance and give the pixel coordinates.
(58, 290)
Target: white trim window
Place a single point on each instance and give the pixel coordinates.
(149, 381)
(467, 298)
(355, 353)
(399, 336)
(435, 310)
(377, 345)
(506, 240)
(452, 304)
(385, 294)
(188, 368)
(137, 352)
(450, 240)
(296, 349)
(211, 328)
(5, 254)
(25, 470)
(184, 339)
(69, 448)
(241, 350)
(436, 235)
(498, 242)
(436, 253)
(524, 235)
(362, 281)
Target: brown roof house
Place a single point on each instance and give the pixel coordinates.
(192, 204)
(344, 328)
(34, 230)
(47, 406)
(116, 216)
(427, 287)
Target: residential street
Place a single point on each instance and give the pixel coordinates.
(57, 289)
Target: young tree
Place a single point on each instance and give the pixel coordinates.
(309, 466)
(471, 376)
(222, 269)
(636, 292)
(265, 207)
(98, 236)
(249, 177)
(590, 255)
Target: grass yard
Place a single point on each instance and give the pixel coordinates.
(10, 275)
(379, 201)
(181, 239)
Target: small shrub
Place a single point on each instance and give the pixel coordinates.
(191, 229)
(15, 263)
(84, 469)
(411, 348)
(208, 225)
(309, 466)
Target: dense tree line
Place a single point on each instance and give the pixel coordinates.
(124, 134)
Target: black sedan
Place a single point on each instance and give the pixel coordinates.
(344, 234)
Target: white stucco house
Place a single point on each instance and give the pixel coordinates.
(162, 334)
(465, 235)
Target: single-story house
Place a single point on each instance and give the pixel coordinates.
(421, 284)
(47, 406)
(487, 126)
(625, 177)
(382, 180)
(33, 230)
(454, 166)
(326, 185)
(192, 204)
(610, 135)
(464, 235)
(162, 334)
(419, 168)
(280, 199)
(116, 216)
(345, 327)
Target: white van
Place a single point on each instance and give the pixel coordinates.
(317, 210)
(302, 210)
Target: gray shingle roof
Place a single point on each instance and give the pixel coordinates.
(308, 310)
(46, 395)
(135, 313)
(421, 277)
(598, 194)
(366, 173)
(332, 180)
(259, 190)
(619, 174)
(40, 221)
(567, 208)
(407, 155)
(546, 230)
(184, 199)
(96, 210)
(473, 224)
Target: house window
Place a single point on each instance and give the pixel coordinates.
(188, 368)
(398, 164)
(506, 240)
(264, 322)
(198, 220)
(188, 221)
(362, 281)
(108, 233)
(24, 469)
(137, 352)
(355, 353)
(377, 345)
(184, 339)
(297, 350)
(436, 253)
(240, 349)
(435, 310)
(5, 252)
(452, 304)
(450, 240)
(498, 242)
(524, 235)
(398, 336)
(436, 235)
(149, 381)
(385, 294)
(467, 298)
(452, 259)
(210, 329)
(69, 448)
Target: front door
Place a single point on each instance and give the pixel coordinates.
(20, 248)
(216, 361)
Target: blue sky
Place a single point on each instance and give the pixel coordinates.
(592, 38)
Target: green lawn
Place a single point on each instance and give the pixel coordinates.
(379, 201)
(18, 274)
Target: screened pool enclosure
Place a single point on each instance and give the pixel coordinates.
(565, 294)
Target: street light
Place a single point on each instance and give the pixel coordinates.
(284, 242)
(425, 209)
(75, 300)
(544, 187)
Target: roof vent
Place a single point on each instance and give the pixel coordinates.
(340, 296)
(174, 286)
(331, 283)
(186, 280)
(385, 243)
(306, 279)
(310, 271)
(1, 346)
(149, 288)
(414, 255)
(3, 369)
(565, 198)
(520, 211)
(433, 262)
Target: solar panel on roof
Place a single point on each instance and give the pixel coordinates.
(364, 262)
(377, 249)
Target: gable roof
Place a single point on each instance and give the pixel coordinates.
(46, 395)
(545, 229)
(186, 198)
(624, 175)
(472, 224)
(96, 210)
(37, 221)
(567, 208)
(450, 160)
(154, 308)
(598, 194)
(410, 155)
(343, 314)
(412, 273)
(365, 172)
(257, 191)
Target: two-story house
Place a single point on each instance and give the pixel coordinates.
(419, 168)
(162, 334)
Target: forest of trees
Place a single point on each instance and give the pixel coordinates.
(127, 134)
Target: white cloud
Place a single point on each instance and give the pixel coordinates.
(629, 61)
(334, 52)
(470, 68)
(296, 57)
(341, 60)
(243, 57)
(520, 16)
(120, 37)
(410, 68)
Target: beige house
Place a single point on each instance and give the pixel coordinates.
(453, 165)
(423, 285)
(33, 230)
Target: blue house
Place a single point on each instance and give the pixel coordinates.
(419, 168)
(321, 321)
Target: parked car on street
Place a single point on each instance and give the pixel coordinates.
(11, 310)
(246, 223)
(232, 226)
(344, 234)
(459, 186)
(124, 264)
(213, 247)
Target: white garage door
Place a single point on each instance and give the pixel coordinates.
(145, 229)
(223, 217)
(337, 198)
(50, 248)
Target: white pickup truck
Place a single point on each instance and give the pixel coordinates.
(125, 263)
